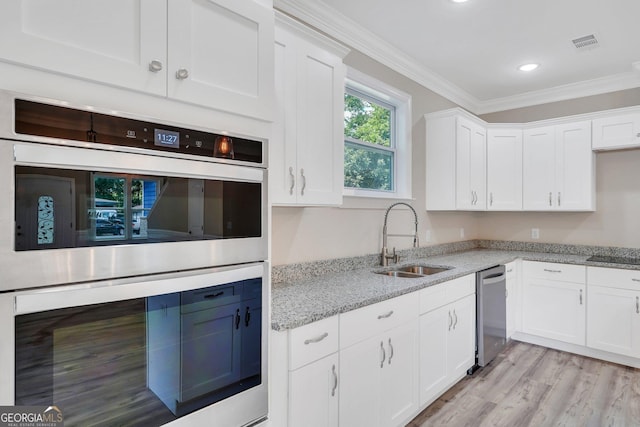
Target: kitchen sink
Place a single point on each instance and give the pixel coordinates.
(414, 271)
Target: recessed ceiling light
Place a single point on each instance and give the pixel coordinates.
(528, 67)
(458, 1)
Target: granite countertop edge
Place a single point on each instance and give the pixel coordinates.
(304, 301)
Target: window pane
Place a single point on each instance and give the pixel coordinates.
(367, 121)
(367, 168)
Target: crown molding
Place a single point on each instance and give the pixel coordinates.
(581, 89)
(344, 30)
(326, 19)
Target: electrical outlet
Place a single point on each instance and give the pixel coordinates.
(462, 233)
(535, 233)
(427, 236)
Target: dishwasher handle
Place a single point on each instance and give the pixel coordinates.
(494, 278)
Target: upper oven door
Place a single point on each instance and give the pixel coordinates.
(80, 214)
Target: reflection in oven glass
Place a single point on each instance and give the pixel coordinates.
(144, 361)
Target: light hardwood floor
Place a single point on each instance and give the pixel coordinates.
(528, 385)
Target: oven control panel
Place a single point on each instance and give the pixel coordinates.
(33, 118)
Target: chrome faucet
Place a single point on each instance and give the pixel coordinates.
(384, 256)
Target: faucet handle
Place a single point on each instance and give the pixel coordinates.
(396, 257)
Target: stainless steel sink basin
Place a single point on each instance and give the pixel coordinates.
(414, 271)
(395, 273)
(423, 270)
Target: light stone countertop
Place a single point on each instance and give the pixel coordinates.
(303, 301)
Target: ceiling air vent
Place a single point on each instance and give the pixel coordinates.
(585, 42)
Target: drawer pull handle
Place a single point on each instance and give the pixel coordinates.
(386, 315)
(580, 296)
(636, 280)
(510, 270)
(390, 351)
(216, 295)
(384, 354)
(335, 380)
(316, 339)
(638, 305)
(552, 271)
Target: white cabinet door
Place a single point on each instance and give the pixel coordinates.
(307, 148)
(615, 132)
(554, 309)
(313, 391)
(613, 320)
(361, 382)
(461, 342)
(513, 300)
(400, 375)
(504, 169)
(538, 168)
(434, 330)
(471, 143)
(575, 185)
(113, 42)
(440, 163)
(320, 137)
(220, 54)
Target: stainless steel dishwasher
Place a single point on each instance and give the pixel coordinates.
(491, 313)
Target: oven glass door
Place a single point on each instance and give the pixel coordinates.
(142, 361)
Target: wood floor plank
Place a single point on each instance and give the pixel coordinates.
(532, 386)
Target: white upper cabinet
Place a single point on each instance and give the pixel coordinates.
(217, 53)
(558, 168)
(621, 131)
(455, 161)
(471, 165)
(307, 146)
(504, 169)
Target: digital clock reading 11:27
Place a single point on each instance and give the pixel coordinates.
(166, 138)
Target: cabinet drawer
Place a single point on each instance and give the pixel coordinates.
(447, 292)
(553, 271)
(363, 323)
(312, 342)
(614, 278)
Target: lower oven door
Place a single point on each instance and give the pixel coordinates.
(184, 348)
(78, 214)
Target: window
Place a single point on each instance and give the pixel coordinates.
(377, 118)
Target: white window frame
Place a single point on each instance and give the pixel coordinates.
(371, 87)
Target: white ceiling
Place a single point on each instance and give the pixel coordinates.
(469, 52)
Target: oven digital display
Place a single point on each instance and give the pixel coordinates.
(166, 138)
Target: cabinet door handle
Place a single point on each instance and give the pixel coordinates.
(450, 320)
(293, 180)
(247, 317)
(385, 316)
(636, 280)
(559, 200)
(316, 339)
(552, 271)
(491, 199)
(455, 315)
(216, 295)
(304, 181)
(237, 318)
(390, 351)
(580, 296)
(182, 74)
(384, 354)
(638, 305)
(155, 66)
(335, 380)
(550, 200)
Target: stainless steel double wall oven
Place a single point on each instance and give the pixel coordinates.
(134, 276)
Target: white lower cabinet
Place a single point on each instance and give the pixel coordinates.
(613, 311)
(554, 301)
(313, 391)
(447, 335)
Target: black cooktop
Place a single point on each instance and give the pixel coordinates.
(614, 259)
